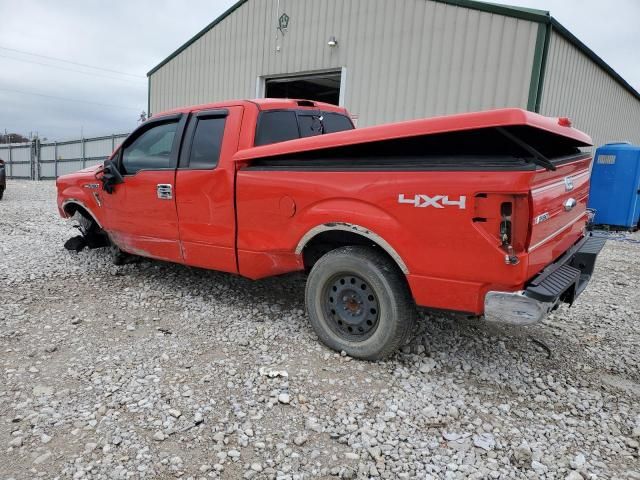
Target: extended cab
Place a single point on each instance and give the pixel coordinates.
(482, 213)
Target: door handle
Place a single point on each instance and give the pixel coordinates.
(570, 204)
(164, 191)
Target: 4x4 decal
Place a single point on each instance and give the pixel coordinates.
(436, 201)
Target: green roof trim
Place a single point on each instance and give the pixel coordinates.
(542, 16)
(562, 30)
(183, 47)
(530, 14)
(522, 13)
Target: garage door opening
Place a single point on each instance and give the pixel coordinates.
(322, 87)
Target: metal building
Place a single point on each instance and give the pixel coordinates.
(390, 60)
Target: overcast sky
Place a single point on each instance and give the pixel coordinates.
(132, 36)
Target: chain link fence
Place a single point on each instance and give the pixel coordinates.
(38, 160)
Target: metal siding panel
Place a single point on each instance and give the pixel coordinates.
(431, 59)
(47, 152)
(21, 154)
(577, 87)
(417, 76)
(47, 170)
(98, 148)
(404, 58)
(20, 170)
(388, 79)
(456, 60)
(69, 167)
(464, 93)
(70, 150)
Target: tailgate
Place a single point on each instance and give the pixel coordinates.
(559, 200)
(558, 192)
(559, 211)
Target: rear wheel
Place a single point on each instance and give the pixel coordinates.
(1, 192)
(358, 301)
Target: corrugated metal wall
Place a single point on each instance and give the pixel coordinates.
(404, 58)
(576, 87)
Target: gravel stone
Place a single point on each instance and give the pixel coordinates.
(573, 475)
(578, 461)
(155, 370)
(42, 458)
(16, 442)
(300, 440)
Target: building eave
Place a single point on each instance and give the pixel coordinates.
(533, 15)
(193, 39)
(576, 42)
(542, 16)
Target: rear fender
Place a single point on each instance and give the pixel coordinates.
(352, 216)
(358, 229)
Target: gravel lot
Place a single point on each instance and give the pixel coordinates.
(156, 370)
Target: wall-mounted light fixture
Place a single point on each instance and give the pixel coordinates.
(332, 41)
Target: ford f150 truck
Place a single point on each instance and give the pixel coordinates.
(483, 213)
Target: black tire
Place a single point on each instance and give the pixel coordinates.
(370, 314)
(93, 235)
(1, 192)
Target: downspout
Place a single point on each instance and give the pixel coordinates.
(539, 66)
(148, 96)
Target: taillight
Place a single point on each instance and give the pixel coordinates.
(506, 233)
(505, 218)
(506, 209)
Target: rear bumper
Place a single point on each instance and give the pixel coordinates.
(561, 282)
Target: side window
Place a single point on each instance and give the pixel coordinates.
(334, 122)
(206, 144)
(276, 127)
(151, 150)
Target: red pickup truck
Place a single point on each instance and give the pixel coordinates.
(483, 213)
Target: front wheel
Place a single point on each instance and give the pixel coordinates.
(358, 301)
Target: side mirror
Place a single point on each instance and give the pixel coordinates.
(111, 176)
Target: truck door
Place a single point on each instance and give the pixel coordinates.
(141, 211)
(205, 189)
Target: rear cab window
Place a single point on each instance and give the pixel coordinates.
(281, 125)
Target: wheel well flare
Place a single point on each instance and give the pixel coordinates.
(329, 236)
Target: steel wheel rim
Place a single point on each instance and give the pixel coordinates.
(351, 307)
